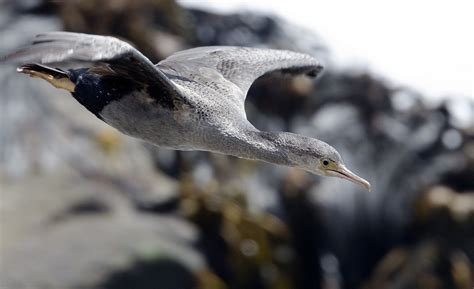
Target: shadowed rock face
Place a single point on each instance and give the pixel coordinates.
(79, 196)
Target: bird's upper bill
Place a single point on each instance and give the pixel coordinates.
(342, 172)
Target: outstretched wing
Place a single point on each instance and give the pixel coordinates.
(239, 65)
(119, 56)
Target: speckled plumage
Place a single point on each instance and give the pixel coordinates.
(192, 100)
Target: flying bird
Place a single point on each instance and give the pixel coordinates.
(192, 100)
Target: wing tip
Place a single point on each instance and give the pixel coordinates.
(26, 68)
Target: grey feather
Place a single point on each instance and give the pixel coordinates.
(239, 65)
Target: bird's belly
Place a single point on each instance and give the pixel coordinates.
(154, 124)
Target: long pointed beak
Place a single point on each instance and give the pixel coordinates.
(344, 173)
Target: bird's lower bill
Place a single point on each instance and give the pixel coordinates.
(344, 173)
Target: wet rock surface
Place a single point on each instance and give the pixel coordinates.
(83, 206)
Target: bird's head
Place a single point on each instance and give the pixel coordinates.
(327, 161)
(316, 157)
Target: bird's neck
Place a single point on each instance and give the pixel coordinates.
(259, 145)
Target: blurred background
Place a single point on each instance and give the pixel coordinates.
(82, 206)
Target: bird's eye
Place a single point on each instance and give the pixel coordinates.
(325, 163)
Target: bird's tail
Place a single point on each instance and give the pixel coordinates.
(57, 78)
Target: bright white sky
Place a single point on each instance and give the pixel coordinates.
(427, 45)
